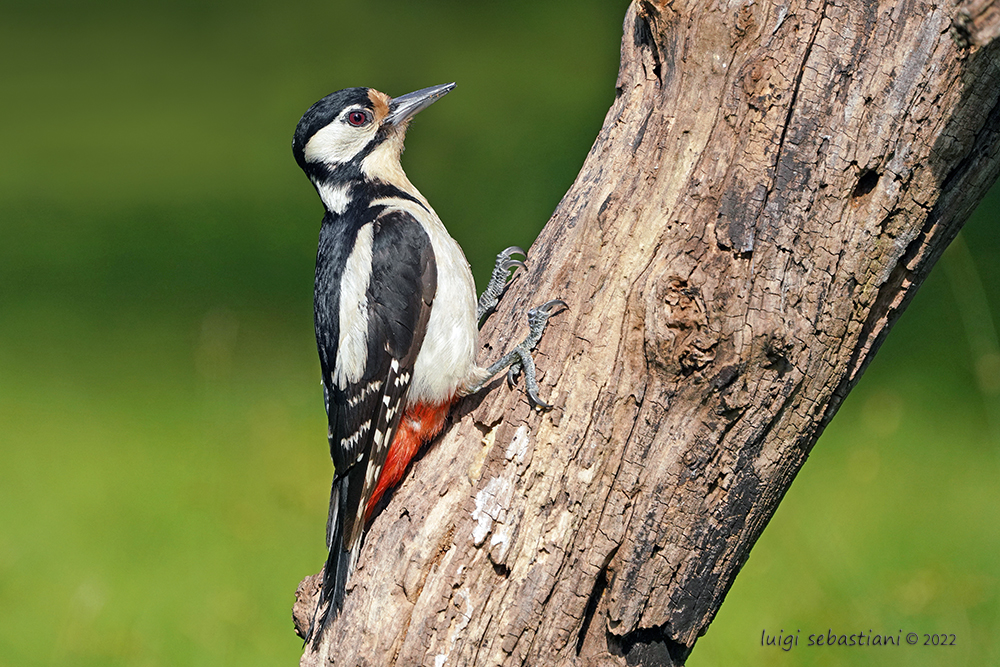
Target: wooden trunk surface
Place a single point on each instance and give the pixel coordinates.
(770, 186)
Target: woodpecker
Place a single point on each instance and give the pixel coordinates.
(396, 314)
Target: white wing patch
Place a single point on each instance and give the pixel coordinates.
(352, 350)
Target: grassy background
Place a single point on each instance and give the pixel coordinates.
(164, 471)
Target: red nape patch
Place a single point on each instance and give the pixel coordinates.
(418, 425)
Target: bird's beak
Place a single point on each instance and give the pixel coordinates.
(406, 106)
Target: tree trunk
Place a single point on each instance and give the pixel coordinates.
(771, 185)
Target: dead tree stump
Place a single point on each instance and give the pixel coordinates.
(770, 187)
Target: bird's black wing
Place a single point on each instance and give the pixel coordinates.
(364, 411)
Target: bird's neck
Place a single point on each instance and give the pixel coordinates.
(342, 196)
(382, 164)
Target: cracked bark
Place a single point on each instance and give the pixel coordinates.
(770, 187)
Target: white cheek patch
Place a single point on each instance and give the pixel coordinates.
(352, 350)
(338, 142)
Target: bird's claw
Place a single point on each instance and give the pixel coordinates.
(499, 280)
(538, 317)
(512, 372)
(512, 250)
(545, 311)
(505, 262)
(538, 403)
(518, 360)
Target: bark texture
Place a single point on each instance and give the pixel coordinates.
(772, 183)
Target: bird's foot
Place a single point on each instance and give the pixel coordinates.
(519, 359)
(499, 281)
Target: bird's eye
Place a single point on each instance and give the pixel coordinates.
(357, 118)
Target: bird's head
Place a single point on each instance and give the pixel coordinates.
(358, 133)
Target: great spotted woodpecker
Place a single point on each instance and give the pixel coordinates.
(396, 314)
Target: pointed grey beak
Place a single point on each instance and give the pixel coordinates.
(406, 106)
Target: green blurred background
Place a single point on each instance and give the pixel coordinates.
(164, 471)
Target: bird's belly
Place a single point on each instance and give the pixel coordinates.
(446, 360)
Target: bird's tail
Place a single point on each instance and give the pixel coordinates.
(339, 564)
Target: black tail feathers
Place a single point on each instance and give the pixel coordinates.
(338, 566)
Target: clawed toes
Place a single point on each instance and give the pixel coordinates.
(518, 361)
(539, 315)
(538, 403)
(506, 262)
(513, 250)
(512, 372)
(499, 280)
(509, 264)
(548, 308)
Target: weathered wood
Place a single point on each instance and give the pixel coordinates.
(771, 185)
